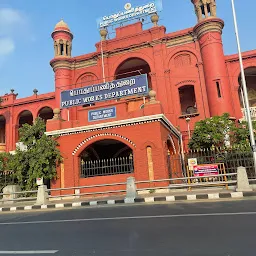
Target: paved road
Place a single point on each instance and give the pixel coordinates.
(186, 229)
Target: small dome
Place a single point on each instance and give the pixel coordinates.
(61, 24)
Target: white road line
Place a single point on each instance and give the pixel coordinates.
(29, 252)
(132, 217)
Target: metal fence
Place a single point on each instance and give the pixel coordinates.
(6, 178)
(231, 158)
(107, 167)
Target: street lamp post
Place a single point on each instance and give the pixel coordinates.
(188, 120)
(246, 101)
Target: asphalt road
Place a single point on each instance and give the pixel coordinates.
(187, 229)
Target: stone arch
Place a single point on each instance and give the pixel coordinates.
(85, 143)
(88, 78)
(131, 55)
(237, 72)
(25, 117)
(45, 113)
(250, 75)
(171, 145)
(133, 67)
(183, 50)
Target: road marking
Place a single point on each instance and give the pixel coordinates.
(29, 252)
(131, 217)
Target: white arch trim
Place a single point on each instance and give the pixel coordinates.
(101, 135)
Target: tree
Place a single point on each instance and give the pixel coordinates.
(220, 131)
(40, 158)
(215, 131)
(242, 135)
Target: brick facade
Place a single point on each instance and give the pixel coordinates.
(187, 69)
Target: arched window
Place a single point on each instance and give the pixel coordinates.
(45, 113)
(187, 100)
(250, 75)
(25, 117)
(133, 67)
(106, 157)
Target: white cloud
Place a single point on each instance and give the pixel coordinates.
(7, 46)
(13, 26)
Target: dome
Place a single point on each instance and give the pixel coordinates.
(62, 24)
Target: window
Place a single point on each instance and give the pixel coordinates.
(218, 89)
(61, 49)
(187, 100)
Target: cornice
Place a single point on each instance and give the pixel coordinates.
(209, 25)
(180, 40)
(117, 124)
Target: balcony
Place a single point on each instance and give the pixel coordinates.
(252, 111)
(2, 147)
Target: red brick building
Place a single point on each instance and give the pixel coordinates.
(190, 78)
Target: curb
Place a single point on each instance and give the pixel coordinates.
(196, 197)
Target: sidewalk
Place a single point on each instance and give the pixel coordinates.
(195, 195)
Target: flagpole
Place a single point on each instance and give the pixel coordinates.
(246, 101)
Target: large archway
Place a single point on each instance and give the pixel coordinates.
(106, 157)
(45, 113)
(133, 67)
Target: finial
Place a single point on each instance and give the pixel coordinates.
(103, 34)
(155, 19)
(56, 113)
(152, 96)
(35, 91)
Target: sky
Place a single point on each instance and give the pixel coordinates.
(26, 46)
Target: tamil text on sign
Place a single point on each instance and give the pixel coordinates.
(206, 170)
(131, 86)
(130, 13)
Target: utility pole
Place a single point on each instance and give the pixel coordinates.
(246, 101)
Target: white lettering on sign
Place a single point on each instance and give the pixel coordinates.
(130, 13)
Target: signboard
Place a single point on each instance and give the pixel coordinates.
(130, 13)
(130, 86)
(191, 163)
(101, 114)
(206, 170)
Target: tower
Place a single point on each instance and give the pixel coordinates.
(61, 63)
(209, 33)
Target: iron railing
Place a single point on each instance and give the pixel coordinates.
(232, 158)
(6, 178)
(107, 167)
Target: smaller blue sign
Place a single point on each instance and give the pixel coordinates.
(101, 114)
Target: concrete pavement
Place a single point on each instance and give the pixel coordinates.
(186, 229)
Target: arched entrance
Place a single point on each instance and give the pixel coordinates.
(106, 157)
(2, 133)
(133, 67)
(250, 76)
(45, 113)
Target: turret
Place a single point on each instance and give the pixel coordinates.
(209, 33)
(62, 38)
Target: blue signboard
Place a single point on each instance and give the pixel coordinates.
(130, 86)
(101, 114)
(130, 13)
